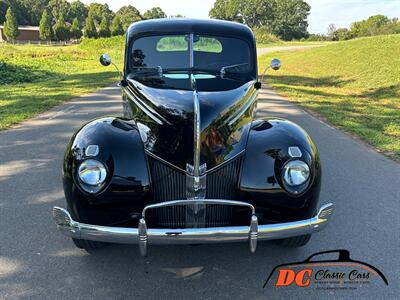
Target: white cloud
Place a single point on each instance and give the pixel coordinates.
(323, 12)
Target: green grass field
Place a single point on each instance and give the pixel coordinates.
(354, 85)
(35, 78)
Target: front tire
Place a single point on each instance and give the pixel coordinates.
(88, 246)
(294, 242)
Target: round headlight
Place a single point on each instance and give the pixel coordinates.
(92, 172)
(296, 172)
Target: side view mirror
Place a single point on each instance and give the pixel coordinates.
(105, 60)
(275, 64)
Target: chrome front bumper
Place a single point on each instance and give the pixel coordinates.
(144, 236)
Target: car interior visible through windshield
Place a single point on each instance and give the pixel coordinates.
(217, 63)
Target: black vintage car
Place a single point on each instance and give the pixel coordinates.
(188, 163)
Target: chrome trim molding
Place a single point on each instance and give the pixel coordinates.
(146, 109)
(243, 108)
(197, 132)
(206, 171)
(144, 236)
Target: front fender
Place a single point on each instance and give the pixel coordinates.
(266, 154)
(127, 183)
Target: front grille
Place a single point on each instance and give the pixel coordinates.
(169, 183)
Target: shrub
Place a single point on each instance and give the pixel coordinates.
(104, 30)
(264, 36)
(45, 29)
(116, 27)
(11, 25)
(75, 31)
(61, 31)
(89, 31)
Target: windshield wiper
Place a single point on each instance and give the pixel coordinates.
(223, 69)
(157, 69)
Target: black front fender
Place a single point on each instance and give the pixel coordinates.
(127, 183)
(266, 154)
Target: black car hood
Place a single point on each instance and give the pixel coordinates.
(165, 118)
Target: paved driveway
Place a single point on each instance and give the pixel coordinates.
(36, 262)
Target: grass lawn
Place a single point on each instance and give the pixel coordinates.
(291, 43)
(35, 78)
(354, 85)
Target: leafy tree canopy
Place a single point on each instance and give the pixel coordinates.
(45, 28)
(98, 10)
(116, 27)
(128, 15)
(59, 8)
(75, 30)
(61, 31)
(286, 18)
(154, 13)
(3, 9)
(89, 31)
(11, 25)
(104, 30)
(78, 10)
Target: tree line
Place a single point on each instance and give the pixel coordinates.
(62, 20)
(286, 19)
(374, 25)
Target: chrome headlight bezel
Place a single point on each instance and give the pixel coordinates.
(293, 183)
(92, 175)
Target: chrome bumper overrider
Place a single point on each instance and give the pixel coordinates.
(143, 235)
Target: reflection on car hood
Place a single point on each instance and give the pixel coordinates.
(165, 118)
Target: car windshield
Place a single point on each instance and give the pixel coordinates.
(218, 63)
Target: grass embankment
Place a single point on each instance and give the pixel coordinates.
(291, 43)
(354, 85)
(35, 78)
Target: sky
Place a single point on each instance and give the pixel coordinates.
(323, 12)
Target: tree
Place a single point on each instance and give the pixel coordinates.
(30, 11)
(89, 31)
(75, 30)
(286, 18)
(3, 10)
(98, 11)
(342, 34)
(290, 19)
(230, 10)
(116, 27)
(104, 30)
(10, 25)
(61, 31)
(78, 10)
(45, 28)
(128, 15)
(331, 32)
(372, 26)
(59, 8)
(154, 13)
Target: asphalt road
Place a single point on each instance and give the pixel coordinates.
(37, 262)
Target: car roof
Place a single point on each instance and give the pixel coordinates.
(185, 25)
